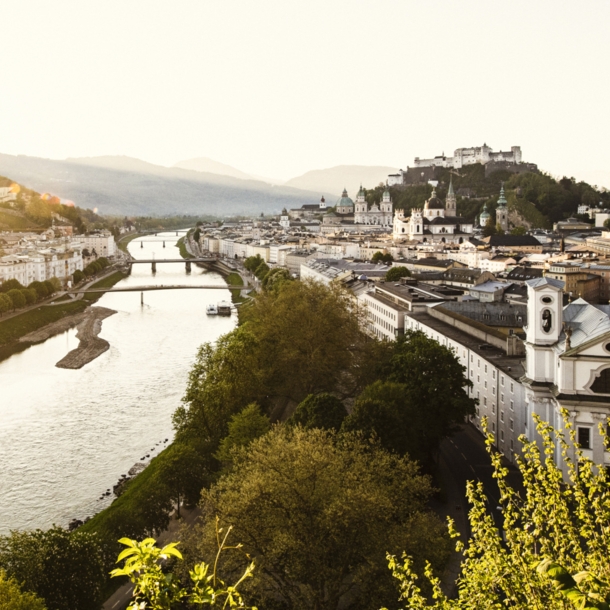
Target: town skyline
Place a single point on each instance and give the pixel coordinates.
(277, 90)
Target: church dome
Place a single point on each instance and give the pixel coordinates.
(434, 203)
(345, 201)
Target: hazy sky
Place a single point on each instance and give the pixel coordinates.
(277, 88)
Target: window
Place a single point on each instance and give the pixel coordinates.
(502, 435)
(512, 405)
(502, 416)
(512, 388)
(502, 397)
(601, 385)
(493, 426)
(486, 368)
(584, 438)
(502, 380)
(493, 374)
(493, 390)
(511, 444)
(512, 425)
(478, 379)
(471, 358)
(485, 400)
(479, 363)
(478, 396)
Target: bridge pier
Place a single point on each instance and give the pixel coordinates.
(164, 244)
(188, 266)
(141, 244)
(176, 233)
(154, 266)
(142, 298)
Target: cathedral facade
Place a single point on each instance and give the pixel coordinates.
(375, 215)
(436, 222)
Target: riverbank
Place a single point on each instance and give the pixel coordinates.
(30, 327)
(91, 346)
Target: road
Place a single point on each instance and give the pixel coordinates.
(463, 457)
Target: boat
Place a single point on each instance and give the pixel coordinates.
(224, 308)
(212, 310)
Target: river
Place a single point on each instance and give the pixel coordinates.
(66, 436)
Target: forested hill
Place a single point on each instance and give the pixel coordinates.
(537, 197)
(123, 186)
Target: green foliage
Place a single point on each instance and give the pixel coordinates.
(380, 257)
(5, 303)
(607, 223)
(320, 411)
(41, 290)
(184, 253)
(50, 286)
(252, 262)
(65, 569)
(30, 295)
(244, 427)
(276, 278)
(78, 276)
(395, 273)
(10, 285)
(17, 298)
(392, 408)
(490, 227)
(262, 270)
(159, 591)
(553, 551)
(317, 513)
(518, 231)
(12, 598)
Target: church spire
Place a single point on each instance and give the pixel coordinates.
(502, 199)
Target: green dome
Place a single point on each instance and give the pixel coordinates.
(345, 201)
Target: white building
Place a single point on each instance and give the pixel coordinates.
(437, 222)
(102, 243)
(469, 156)
(375, 214)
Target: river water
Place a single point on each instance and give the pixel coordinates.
(66, 436)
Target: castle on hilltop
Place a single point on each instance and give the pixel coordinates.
(426, 169)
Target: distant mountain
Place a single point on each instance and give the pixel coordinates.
(331, 182)
(203, 164)
(127, 186)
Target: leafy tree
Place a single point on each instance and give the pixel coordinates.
(55, 284)
(262, 270)
(65, 569)
(50, 287)
(382, 257)
(392, 409)
(552, 552)
(17, 298)
(182, 472)
(12, 598)
(5, 303)
(317, 514)
(103, 262)
(518, 231)
(155, 589)
(252, 263)
(78, 276)
(10, 285)
(489, 228)
(30, 296)
(244, 427)
(275, 278)
(320, 411)
(41, 290)
(607, 223)
(499, 230)
(395, 273)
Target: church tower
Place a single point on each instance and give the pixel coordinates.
(360, 207)
(450, 204)
(502, 211)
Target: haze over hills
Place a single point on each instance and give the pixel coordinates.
(331, 182)
(126, 186)
(203, 164)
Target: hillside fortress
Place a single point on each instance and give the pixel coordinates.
(426, 169)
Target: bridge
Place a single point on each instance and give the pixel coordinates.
(153, 261)
(162, 287)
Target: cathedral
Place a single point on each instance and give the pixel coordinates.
(375, 215)
(437, 222)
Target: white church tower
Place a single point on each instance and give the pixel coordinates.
(386, 203)
(450, 203)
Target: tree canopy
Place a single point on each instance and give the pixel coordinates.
(317, 514)
(13, 598)
(320, 411)
(395, 273)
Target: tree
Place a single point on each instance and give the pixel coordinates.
(12, 598)
(320, 411)
(550, 532)
(275, 278)
(5, 303)
(380, 257)
(252, 262)
(50, 287)
(392, 408)
(155, 589)
(489, 228)
(262, 270)
(78, 276)
(55, 283)
(244, 427)
(65, 569)
(17, 298)
(40, 288)
(518, 231)
(607, 223)
(30, 296)
(395, 273)
(10, 285)
(317, 513)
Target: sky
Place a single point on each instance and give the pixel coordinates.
(277, 88)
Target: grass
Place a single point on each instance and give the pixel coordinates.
(184, 253)
(234, 279)
(122, 243)
(106, 282)
(14, 328)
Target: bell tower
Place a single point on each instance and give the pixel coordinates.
(502, 211)
(450, 204)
